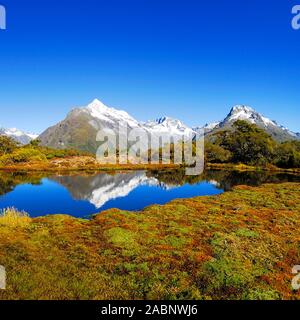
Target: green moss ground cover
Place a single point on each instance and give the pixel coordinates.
(242, 244)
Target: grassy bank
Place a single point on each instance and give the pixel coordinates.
(239, 245)
(79, 163)
(243, 167)
(88, 163)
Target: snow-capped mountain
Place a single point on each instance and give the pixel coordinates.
(18, 135)
(80, 128)
(99, 111)
(169, 125)
(242, 112)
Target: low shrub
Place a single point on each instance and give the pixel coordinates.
(22, 155)
(51, 153)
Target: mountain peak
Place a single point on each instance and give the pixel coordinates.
(241, 108)
(243, 112)
(246, 113)
(99, 111)
(161, 120)
(168, 125)
(97, 104)
(167, 120)
(97, 101)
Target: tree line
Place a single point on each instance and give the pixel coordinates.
(245, 143)
(248, 144)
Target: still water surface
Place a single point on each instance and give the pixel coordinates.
(81, 195)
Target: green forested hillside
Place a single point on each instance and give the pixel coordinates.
(248, 144)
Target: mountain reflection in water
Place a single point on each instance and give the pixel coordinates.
(102, 188)
(84, 194)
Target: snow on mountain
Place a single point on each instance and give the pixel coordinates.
(79, 129)
(170, 126)
(166, 125)
(18, 135)
(96, 117)
(211, 126)
(100, 111)
(242, 112)
(293, 134)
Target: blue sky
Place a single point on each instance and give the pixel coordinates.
(191, 60)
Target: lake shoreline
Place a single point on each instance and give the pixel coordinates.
(244, 167)
(87, 163)
(82, 163)
(83, 193)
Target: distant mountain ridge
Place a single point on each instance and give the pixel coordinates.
(81, 125)
(18, 135)
(79, 129)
